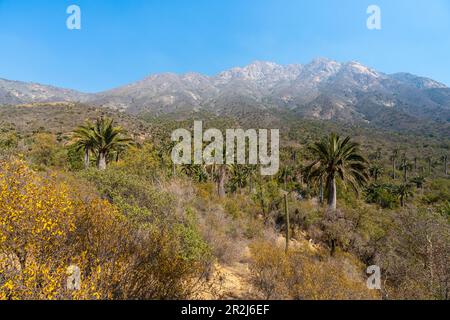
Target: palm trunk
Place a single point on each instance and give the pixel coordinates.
(393, 169)
(445, 165)
(288, 225)
(333, 247)
(86, 158)
(221, 182)
(321, 191)
(102, 161)
(332, 194)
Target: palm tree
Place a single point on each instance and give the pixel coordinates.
(200, 174)
(188, 169)
(167, 148)
(239, 177)
(430, 163)
(338, 158)
(379, 153)
(419, 181)
(445, 160)
(108, 138)
(405, 166)
(83, 139)
(102, 138)
(394, 159)
(251, 172)
(375, 171)
(283, 175)
(221, 176)
(403, 192)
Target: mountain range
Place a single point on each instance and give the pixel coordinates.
(322, 89)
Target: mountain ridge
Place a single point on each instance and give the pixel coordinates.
(322, 89)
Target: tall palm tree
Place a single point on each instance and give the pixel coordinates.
(403, 192)
(379, 153)
(200, 175)
(419, 181)
(239, 177)
(445, 160)
(405, 166)
(284, 174)
(221, 176)
(83, 139)
(108, 138)
(102, 138)
(430, 163)
(251, 173)
(394, 159)
(338, 158)
(188, 169)
(375, 171)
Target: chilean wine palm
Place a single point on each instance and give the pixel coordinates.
(403, 192)
(83, 139)
(108, 138)
(239, 177)
(419, 181)
(284, 174)
(394, 161)
(375, 171)
(338, 158)
(102, 138)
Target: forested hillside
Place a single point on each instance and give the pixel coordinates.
(94, 188)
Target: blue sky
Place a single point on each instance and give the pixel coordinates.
(124, 41)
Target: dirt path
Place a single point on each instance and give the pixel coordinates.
(235, 282)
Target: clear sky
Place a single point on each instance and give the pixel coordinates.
(125, 40)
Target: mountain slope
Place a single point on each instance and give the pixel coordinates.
(322, 89)
(17, 92)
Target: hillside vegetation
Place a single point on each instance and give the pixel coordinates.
(139, 227)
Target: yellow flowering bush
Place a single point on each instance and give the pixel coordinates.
(36, 217)
(46, 229)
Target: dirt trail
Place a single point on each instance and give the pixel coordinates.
(233, 281)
